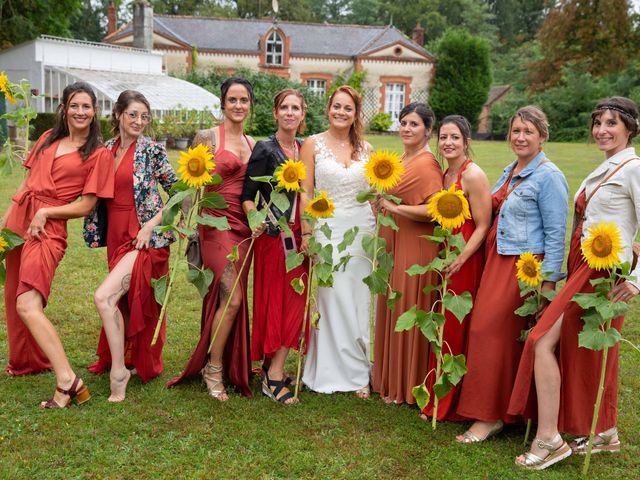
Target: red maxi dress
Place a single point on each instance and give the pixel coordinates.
(493, 351)
(138, 307)
(215, 246)
(467, 279)
(52, 182)
(579, 367)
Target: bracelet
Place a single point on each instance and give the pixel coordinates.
(307, 234)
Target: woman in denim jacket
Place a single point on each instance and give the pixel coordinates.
(135, 252)
(530, 208)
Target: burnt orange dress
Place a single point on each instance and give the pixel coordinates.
(52, 182)
(400, 358)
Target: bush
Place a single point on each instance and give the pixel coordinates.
(463, 77)
(44, 121)
(265, 87)
(381, 122)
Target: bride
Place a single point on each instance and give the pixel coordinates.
(338, 356)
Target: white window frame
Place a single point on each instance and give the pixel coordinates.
(394, 96)
(317, 86)
(274, 49)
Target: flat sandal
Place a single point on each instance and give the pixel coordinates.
(602, 442)
(555, 455)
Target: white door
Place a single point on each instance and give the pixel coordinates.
(394, 102)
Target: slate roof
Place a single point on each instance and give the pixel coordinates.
(242, 36)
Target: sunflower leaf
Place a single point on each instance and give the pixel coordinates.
(455, 366)
(219, 223)
(293, 260)
(407, 320)
(392, 299)
(280, 200)
(173, 205)
(610, 309)
(216, 179)
(422, 396)
(3, 272)
(323, 272)
(460, 305)
(434, 238)
(391, 198)
(442, 386)
(255, 218)
(213, 200)
(385, 262)
(234, 255)
(387, 221)
(201, 279)
(416, 269)
(596, 339)
(348, 238)
(456, 242)
(377, 281)
(298, 285)
(438, 264)
(284, 225)
(12, 238)
(159, 286)
(587, 300)
(342, 263)
(366, 195)
(529, 307)
(326, 230)
(263, 179)
(549, 294)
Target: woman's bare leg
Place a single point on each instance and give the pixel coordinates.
(106, 299)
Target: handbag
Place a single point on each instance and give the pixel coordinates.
(193, 253)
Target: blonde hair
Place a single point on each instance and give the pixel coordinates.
(534, 115)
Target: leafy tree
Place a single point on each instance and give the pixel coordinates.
(463, 75)
(291, 10)
(365, 12)
(90, 21)
(23, 20)
(593, 33)
(517, 21)
(204, 8)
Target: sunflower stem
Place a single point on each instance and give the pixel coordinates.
(372, 299)
(305, 317)
(434, 419)
(527, 432)
(596, 408)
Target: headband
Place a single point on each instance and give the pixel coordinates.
(619, 110)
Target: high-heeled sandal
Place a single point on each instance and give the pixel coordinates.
(80, 395)
(215, 386)
(364, 392)
(555, 455)
(274, 390)
(602, 442)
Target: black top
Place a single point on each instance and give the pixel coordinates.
(265, 158)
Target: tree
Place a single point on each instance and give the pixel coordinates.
(204, 8)
(595, 34)
(290, 10)
(463, 75)
(517, 21)
(22, 20)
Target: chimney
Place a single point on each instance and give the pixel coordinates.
(418, 35)
(112, 19)
(143, 25)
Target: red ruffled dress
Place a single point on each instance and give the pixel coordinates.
(139, 307)
(52, 182)
(579, 367)
(467, 279)
(493, 351)
(215, 246)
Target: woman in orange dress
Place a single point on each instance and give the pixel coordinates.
(566, 375)
(67, 162)
(530, 215)
(135, 253)
(231, 350)
(400, 358)
(454, 135)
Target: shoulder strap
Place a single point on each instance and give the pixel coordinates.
(522, 179)
(462, 169)
(605, 179)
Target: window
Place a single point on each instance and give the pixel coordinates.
(275, 49)
(394, 102)
(319, 87)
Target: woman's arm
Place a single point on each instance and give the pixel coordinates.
(476, 186)
(417, 213)
(77, 209)
(307, 156)
(554, 210)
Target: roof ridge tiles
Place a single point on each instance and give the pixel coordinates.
(270, 20)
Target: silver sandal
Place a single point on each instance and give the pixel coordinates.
(602, 442)
(214, 386)
(555, 455)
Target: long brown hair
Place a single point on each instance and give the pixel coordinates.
(356, 130)
(61, 128)
(279, 98)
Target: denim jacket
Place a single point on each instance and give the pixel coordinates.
(150, 167)
(533, 218)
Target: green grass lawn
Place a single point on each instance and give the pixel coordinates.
(183, 433)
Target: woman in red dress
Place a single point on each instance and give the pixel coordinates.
(566, 383)
(230, 351)
(465, 272)
(67, 162)
(135, 253)
(278, 310)
(530, 215)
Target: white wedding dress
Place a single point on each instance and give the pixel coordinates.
(338, 355)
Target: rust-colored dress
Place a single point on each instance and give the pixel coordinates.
(52, 182)
(579, 367)
(467, 279)
(400, 358)
(138, 306)
(215, 246)
(493, 350)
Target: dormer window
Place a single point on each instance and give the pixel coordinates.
(275, 49)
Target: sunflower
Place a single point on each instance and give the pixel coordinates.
(603, 246)
(321, 206)
(3, 244)
(529, 269)
(5, 88)
(195, 165)
(289, 175)
(384, 169)
(449, 208)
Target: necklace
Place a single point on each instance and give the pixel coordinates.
(337, 140)
(293, 148)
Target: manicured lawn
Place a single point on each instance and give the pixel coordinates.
(183, 433)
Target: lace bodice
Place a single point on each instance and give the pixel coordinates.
(342, 184)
